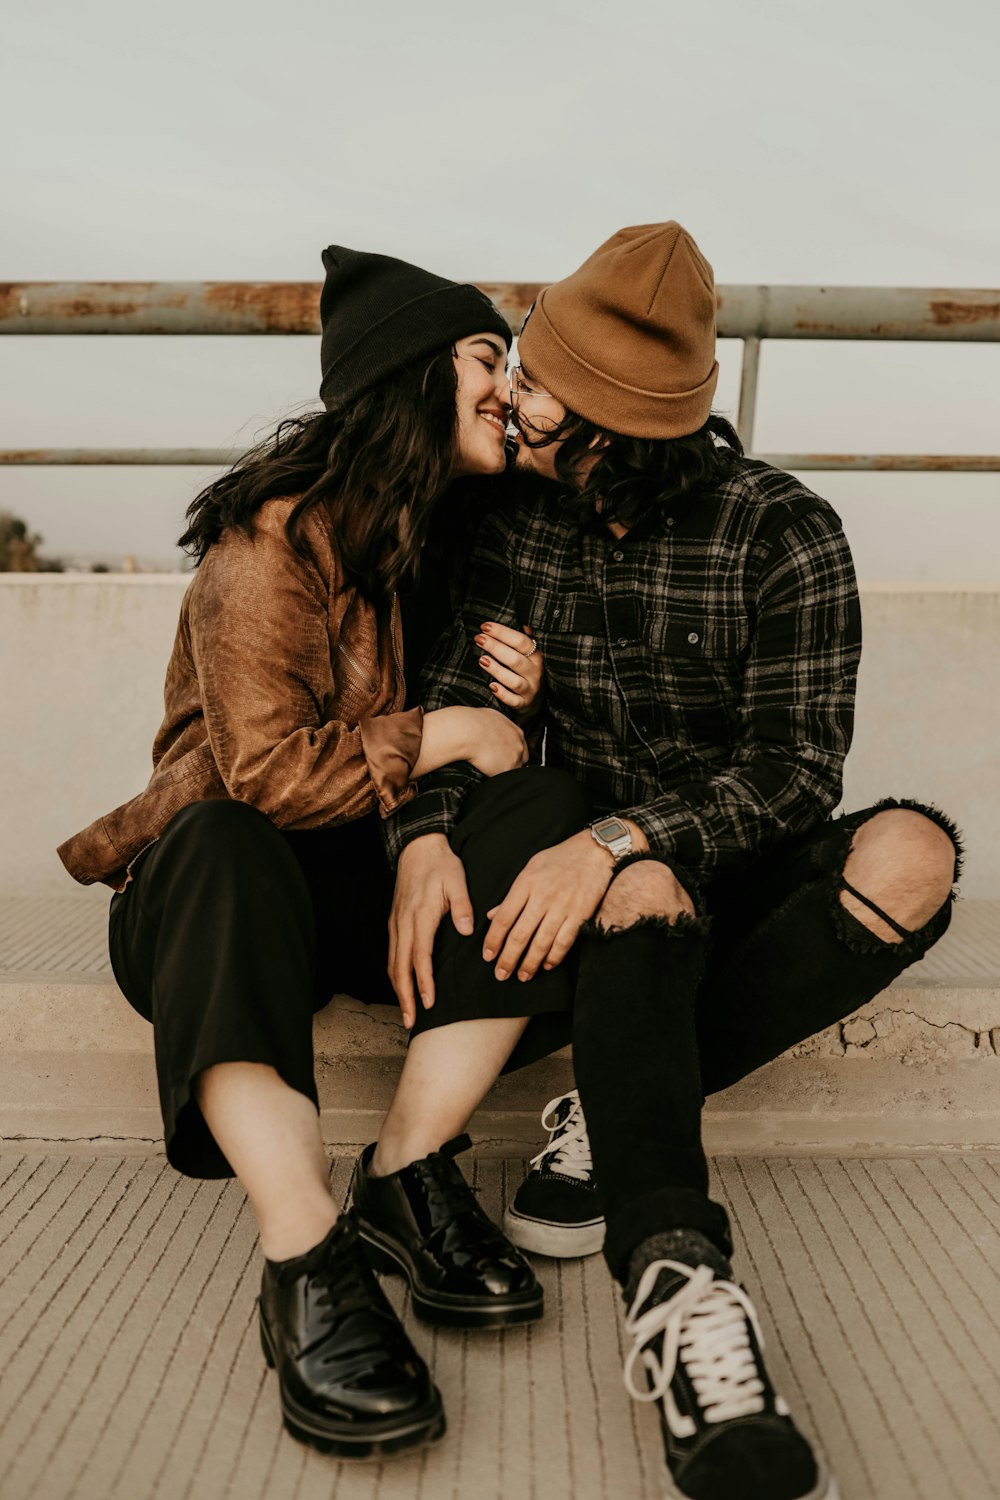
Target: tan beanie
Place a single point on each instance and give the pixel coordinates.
(628, 341)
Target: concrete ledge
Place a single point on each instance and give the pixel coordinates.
(85, 1098)
(794, 1106)
(916, 1069)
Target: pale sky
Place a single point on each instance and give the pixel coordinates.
(800, 141)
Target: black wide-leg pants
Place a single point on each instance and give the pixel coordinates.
(232, 933)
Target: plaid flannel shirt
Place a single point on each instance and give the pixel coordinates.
(699, 672)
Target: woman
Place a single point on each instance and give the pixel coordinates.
(250, 879)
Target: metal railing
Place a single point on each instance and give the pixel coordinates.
(750, 313)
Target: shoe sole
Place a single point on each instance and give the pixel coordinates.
(440, 1308)
(380, 1440)
(558, 1241)
(826, 1488)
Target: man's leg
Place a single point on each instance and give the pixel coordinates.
(809, 948)
(645, 931)
(635, 1051)
(833, 922)
(848, 911)
(697, 1347)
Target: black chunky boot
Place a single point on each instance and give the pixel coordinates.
(351, 1382)
(424, 1223)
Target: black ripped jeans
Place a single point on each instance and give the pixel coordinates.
(666, 1015)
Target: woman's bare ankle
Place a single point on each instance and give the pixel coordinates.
(395, 1153)
(296, 1232)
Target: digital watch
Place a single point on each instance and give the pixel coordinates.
(613, 835)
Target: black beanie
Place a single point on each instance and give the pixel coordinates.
(379, 314)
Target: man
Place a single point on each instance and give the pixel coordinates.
(699, 620)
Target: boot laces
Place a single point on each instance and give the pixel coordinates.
(568, 1150)
(450, 1196)
(705, 1326)
(343, 1281)
(447, 1190)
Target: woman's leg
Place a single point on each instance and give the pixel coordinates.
(216, 943)
(460, 1047)
(415, 1210)
(270, 1135)
(447, 1074)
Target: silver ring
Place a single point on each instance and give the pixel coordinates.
(534, 648)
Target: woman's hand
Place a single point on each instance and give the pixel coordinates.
(513, 660)
(430, 880)
(498, 744)
(484, 736)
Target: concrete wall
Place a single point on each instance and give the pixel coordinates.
(82, 662)
(81, 672)
(928, 713)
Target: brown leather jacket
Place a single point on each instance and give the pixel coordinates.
(284, 690)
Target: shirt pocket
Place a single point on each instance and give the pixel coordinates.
(694, 675)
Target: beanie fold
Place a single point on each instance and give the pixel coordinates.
(605, 401)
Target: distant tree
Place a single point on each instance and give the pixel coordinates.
(19, 548)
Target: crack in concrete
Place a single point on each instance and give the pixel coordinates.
(983, 1039)
(915, 1014)
(366, 1015)
(86, 1140)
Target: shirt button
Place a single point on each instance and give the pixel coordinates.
(670, 520)
(618, 556)
(623, 640)
(556, 613)
(693, 638)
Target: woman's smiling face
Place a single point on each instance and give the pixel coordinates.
(482, 404)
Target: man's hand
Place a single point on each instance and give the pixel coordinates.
(557, 891)
(430, 880)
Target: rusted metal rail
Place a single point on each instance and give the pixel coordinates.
(211, 458)
(750, 313)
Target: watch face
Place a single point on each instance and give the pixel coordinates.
(611, 829)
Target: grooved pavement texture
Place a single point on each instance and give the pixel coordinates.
(130, 1367)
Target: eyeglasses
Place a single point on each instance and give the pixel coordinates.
(519, 386)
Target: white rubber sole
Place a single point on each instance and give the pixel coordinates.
(559, 1241)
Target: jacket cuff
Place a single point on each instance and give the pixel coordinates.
(391, 743)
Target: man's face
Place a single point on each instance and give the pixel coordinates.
(536, 413)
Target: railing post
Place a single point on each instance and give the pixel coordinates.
(748, 391)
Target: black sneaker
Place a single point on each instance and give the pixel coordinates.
(556, 1210)
(426, 1224)
(726, 1434)
(351, 1382)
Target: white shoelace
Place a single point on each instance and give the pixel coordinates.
(568, 1151)
(705, 1325)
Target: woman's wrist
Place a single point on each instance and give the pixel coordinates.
(447, 738)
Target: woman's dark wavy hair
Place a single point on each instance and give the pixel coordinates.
(378, 468)
(636, 475)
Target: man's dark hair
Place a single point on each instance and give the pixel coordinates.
(634, 475)
(378, 467)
